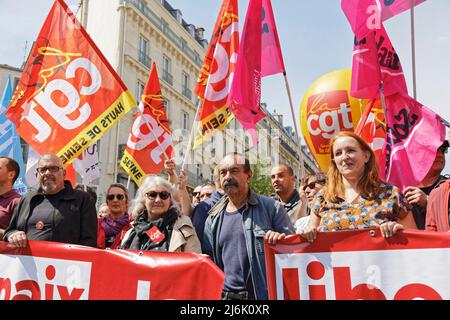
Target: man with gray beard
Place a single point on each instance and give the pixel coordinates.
(55, 212)
(235, 230)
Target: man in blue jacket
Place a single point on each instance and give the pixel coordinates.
(235, 230)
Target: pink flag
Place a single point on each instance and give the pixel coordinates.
(366, 15)
(414, 134)
(375, 62)
(245, 92)
(271, 56)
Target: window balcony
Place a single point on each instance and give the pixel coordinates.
(187, 93)
(145, 59)
(167, 77)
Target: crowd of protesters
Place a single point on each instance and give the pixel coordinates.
(225, 219)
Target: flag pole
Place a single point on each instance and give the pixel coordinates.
(188, 149)
(413, 51)
(302, 167)
(128, 182)
(123, 15)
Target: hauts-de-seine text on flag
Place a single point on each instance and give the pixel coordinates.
(150, 141)
(68, 95)
(216, 75)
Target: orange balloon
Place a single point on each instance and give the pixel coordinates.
(326, 109)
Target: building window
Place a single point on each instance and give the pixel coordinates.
(185, 84)
(198, 170)
(166, 71)
(167, 107)
(183, 44)
(143, 52)
(140, 90)
(164, 26)
(185, 121)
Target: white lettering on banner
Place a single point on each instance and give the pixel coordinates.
(26, 278)
(223, 66)
(142, 122)
(327, 128)
(385, 274)
(65, 115)
(143, 290)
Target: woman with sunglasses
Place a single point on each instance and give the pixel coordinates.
(354, 196)
(113, 226)
(159, 224)
(311, 184)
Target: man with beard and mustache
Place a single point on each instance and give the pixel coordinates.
(55, 212)
(418, 196)
(235, 230)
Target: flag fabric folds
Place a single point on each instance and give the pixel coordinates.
(271, 56)
(213, 83)
(376, 62)
(414, 133)
(367, 15)
(150, 140)
(68, 95)
(10, 140)
(245, 93)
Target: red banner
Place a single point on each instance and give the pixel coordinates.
(150, 141)
(68, 95)
(55, 271)
(350, 265)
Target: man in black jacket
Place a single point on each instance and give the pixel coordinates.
(55, 212)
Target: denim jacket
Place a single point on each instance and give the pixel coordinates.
(260, 215)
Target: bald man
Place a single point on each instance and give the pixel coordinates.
(55, 212)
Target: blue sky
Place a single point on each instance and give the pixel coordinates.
(315, 39)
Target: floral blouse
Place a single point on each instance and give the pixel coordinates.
(362, 213)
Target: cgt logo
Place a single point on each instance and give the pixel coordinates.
(34, 278)
(370, 275)
(327, 114)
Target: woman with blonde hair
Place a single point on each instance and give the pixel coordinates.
(354, 196)
(159, 224)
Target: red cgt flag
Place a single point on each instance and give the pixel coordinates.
(150, 138)
(213, 83)
(68, 95)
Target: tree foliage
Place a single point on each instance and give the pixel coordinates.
(261, 182)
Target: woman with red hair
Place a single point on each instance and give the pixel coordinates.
(354, 196)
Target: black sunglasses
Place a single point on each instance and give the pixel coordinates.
(163, 195)
(312, 184)
(111, 197)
